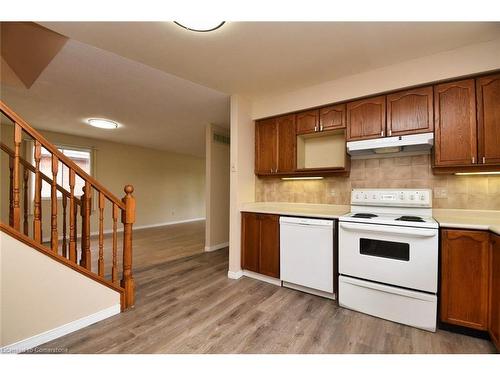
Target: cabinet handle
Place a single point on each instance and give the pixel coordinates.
(382, 133)
(321, 128)
(484, 160)
(473, 160)
(315, 128)
(390, 132)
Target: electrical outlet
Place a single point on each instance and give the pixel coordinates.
(440, 192)
(173, 212)
(333, 193)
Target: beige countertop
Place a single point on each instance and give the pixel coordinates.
(468, 219)
(447, 218)
(327, 211)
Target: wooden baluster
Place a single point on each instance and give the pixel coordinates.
(37, 212)
(100, 263)
(16, 217)
(114, 268)
(11, 191)
(53, 206)
(64, 242)
(72, 217)
(85, 208)
(128, 219)
(25, 200)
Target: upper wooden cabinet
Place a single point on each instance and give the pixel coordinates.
(410, 112)
(286, 144)
(366, 118)
(260, 243)
(488, 121)
(307, 122)
(455, 124)
(332, 117)
(266, 146)
(275, 145)
(494, 319)
(465, 278)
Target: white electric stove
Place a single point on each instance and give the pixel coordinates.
(388, 256)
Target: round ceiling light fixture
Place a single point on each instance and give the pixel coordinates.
(102, 123)
(201, 26)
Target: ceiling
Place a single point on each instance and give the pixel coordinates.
(155, 109)
(261, 58)
(164, 83)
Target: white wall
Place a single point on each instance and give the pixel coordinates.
(462, 61)
(217, 189)
(242, 176)
(38, 294)
(471, 59)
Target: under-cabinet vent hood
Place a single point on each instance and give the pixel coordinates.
(392, 145)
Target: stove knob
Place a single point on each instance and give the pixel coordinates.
(422, 197)
(412, 197)
(366, 196)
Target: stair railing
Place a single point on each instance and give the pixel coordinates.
(124, 207)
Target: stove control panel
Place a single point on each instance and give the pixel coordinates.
(392, 197)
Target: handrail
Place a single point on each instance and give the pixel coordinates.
(125, 207)
(44, 177)
(63, 158)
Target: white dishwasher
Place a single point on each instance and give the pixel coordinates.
(306, 255)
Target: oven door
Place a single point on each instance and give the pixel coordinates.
(400, 256)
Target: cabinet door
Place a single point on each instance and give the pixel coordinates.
(366, 118)
(307, 122)
(455, 124)
(410, 112)
(250, 241)
(465, 278)
(270, 245)
(494, 320)
(266, 146)
(332, 117)
(488, 111)
(286, 143)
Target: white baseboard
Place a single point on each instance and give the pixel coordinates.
(53, 334)
(217, 247)
(234, 275)
(107, 231)
(258, 276)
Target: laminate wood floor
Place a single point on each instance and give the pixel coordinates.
(189, 305)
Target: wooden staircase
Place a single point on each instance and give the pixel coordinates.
(73, 248)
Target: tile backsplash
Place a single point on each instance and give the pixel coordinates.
(449, 191)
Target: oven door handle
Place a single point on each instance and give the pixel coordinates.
(387, 229)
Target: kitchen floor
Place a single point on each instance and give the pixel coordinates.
(190, 306)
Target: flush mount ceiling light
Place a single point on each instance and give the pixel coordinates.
(102, 123)
(200, 26)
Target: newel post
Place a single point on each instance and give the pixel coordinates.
(128, 219)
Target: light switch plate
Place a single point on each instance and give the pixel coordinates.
(440, 193)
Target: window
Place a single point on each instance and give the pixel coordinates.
(82, 158)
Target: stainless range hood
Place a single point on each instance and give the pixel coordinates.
(392, 145)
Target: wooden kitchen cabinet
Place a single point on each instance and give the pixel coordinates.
(307, 122)
(332, 117)
(266, 146)
(488, 119)
(260, 243)
(410, 112)
(366, 118)
(465, 278)
(275, 145)
(455, 142)
(494, 316)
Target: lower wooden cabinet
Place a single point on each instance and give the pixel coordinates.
(260, 243)
(494, 316)
(465, 278)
